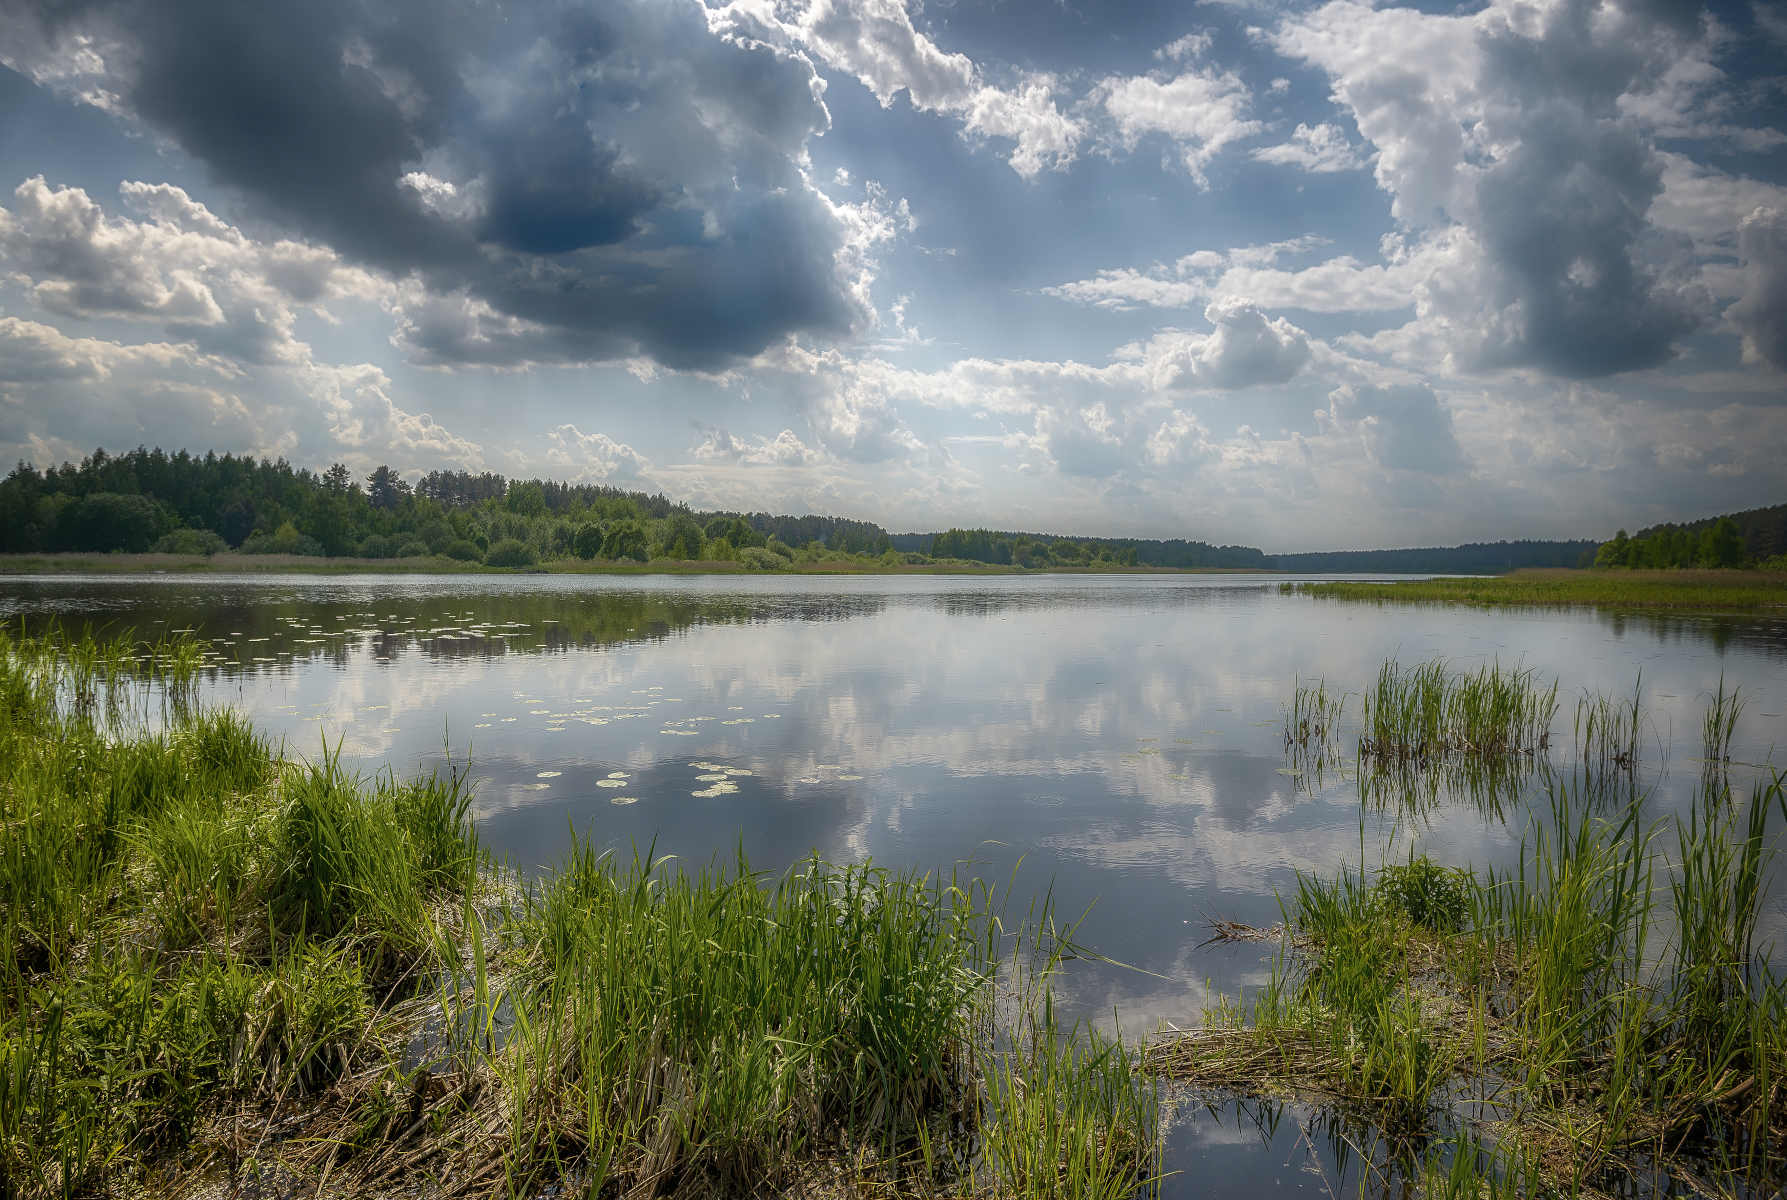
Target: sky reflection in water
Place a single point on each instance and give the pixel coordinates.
(1119, 737)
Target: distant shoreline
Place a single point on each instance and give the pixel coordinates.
(293, 564)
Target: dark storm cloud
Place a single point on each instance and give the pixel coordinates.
(1564, 218)
(1564, 213)
(1761, 313)
(589, 180)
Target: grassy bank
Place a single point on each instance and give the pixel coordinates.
(220, 964)
(1683, 589)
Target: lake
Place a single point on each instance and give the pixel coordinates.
(1117, 740)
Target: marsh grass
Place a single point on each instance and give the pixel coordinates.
(1719, 725)
(1728, 590)
(631, 1026)
(1602, 1001)
(1312, 718)
(1431, 735)
(1609, 730)
(175, 937)
(215, 958)
(1430, 712)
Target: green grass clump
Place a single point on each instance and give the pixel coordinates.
(1727, 590)
(1431, 712)
(724, 1032)
(730, 1027)
(1610, 730)
(187, 922)
(1605, 997)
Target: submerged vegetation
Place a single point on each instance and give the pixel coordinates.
(216, 959)
(1732, 590)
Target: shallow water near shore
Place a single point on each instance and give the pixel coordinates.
(1118, 740)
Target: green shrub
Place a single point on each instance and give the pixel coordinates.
(757, 559)
(190, 541)
(411, 550)
(378, 547)
(1428, 894)
(462, 551)
(511, 552)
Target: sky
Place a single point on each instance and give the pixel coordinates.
(1301, 276)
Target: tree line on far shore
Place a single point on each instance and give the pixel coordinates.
(149, 501)
(153, 501)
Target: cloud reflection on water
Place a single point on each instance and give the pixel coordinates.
(999, 722)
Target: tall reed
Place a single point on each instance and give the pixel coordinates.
(1719, 725)
(1609, 731)
(1429, 712)
(1312, 718)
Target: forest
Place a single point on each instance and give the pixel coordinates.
(153, 501)
(150, 501)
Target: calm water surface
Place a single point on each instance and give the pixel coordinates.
(1115, 738)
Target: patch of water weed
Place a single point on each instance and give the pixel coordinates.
(1719, 726)
(1528, 1019)
(1312, 717)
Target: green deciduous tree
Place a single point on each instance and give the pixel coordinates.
(1722, 545)
(587, 544)
(626, 539)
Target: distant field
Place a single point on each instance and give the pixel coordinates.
(1722, 590)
